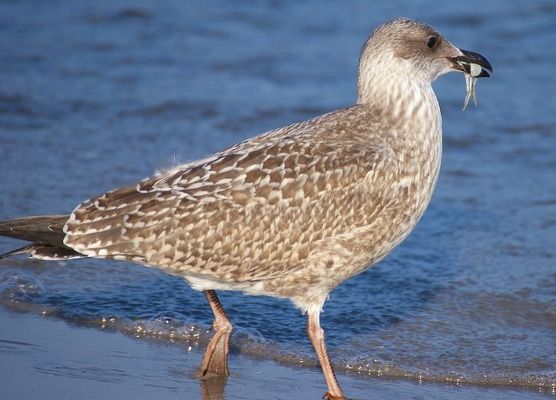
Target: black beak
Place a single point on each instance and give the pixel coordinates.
(469, 62)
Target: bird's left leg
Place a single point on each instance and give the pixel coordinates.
(215, 359)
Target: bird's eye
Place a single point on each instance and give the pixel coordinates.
(431, 42)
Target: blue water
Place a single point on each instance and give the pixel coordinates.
(95, 95)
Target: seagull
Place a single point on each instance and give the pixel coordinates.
(291, 213)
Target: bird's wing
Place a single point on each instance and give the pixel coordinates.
(245, 211)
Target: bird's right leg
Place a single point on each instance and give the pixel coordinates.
(215, 359)
(316, 335)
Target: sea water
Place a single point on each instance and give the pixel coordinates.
(96, 95)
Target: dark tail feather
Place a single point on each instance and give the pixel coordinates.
(46, 233)
(44, 252)
(46, 229)
(16, 252)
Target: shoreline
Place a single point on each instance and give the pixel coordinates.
(47, 358)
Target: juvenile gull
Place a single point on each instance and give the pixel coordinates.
(290, 213)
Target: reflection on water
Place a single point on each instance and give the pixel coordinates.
(97, 96)
(213, 388)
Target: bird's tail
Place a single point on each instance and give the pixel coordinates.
(46, 234)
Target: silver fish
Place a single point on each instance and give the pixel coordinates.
(470, 83)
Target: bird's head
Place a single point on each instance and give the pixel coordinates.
(404, 50)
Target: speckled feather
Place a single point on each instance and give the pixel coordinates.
(295, 211)
(275, 207)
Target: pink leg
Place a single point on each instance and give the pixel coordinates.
(215, 359)
(316, 335)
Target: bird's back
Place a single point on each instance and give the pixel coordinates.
(254, 212)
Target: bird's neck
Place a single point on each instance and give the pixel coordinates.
(408, 100)
(411, 109)
(397, 91)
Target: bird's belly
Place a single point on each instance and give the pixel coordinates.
(206, 282)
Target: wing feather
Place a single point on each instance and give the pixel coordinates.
(257, 206)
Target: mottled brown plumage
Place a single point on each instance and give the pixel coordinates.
(254, 216)
(296, 211)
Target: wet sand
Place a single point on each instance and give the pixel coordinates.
(44, 358)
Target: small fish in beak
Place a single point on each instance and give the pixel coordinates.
(470, 82)
(473, 66)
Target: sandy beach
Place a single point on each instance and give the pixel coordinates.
(44, 358)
